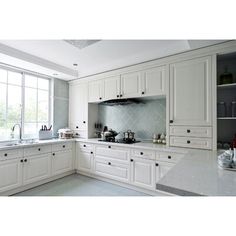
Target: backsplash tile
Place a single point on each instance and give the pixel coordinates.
(144, 119)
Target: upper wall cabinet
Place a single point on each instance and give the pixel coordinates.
(153, 81)
(191, 92)
(96, 90)
(112, 88)
(131, 85)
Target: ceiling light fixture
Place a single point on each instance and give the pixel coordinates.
(75, 64)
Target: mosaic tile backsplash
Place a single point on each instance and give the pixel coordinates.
(144, 119)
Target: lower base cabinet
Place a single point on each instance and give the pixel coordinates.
(61, 162)
(162, 168)
(143, 173)
(36, 168)
(10, 174)
(85, 161)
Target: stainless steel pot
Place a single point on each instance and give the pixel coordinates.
(129, 135)
(109, 134)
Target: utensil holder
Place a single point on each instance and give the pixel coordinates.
(45, 134)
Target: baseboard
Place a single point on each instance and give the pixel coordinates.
(125, 185)
(36, 184)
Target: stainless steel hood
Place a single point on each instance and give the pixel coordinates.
(121, 102)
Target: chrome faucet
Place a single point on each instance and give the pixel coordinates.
(20, 132)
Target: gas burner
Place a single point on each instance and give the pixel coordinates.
(113, 140)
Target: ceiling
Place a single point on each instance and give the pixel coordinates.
(100, 56)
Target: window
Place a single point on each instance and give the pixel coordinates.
(24, 99)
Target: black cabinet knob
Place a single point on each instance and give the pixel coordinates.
(131, 160)
(109, 146)
(63, 146)
(157, 164)
(118, 95)
(84, 121)
(100, 98)
(109, 163)
(84, 145)
(5, 154)
(141, 153)
(25, 160)
(21, 160)
(76, 127)
(53, 154)
(169, 157)
(171, 121)
(39, 149)
(121, 95)
(188, 131)
(142, 92)
(188, 141)
(91, 152)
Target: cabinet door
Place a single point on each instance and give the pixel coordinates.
(112, 88)
(85, 161)
(162, 168)
(95, 90)
(143, 173)
(154, 82)
(36, 168)
(10, 174)
(61, 162)
(190, 92)
(78, 105)
(130, 85)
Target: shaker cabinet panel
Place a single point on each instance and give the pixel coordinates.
(112, 88)
(95, 91)
(191, 92)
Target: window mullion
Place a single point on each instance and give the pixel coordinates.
(23, 105)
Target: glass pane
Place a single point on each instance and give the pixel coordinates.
(14, 78)
(30, 105)
(30, 130)
(42, 106)
(3, 91)
(16, 133)
(14, 104)
(43, 83)
(30, 81)
(3, 133)
(3, 76)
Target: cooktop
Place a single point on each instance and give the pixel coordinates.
(120, 141)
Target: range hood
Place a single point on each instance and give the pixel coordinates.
(120, 102)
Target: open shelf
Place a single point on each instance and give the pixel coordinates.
(227, 85)
(226, 118)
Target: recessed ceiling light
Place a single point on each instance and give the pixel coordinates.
(75, 64)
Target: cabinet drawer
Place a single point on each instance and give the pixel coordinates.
(201, 143)
(36, 150)
(85, 147)
(112, 152)
(200, 132)
(11, 154)
(61, 146)
(111, 169)
(143, 153)
(169, 157)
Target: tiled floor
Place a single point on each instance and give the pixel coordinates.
(79, 185)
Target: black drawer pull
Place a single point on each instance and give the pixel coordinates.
(131, 160)
(39, 149)
(100, 98)
(5, 154)
(63, 146)
(21, 160)
(169, 157)
(84, 145)
(109, 146)
(84, 122)
(91, 152)
(188, 130)
(171, 121)
(188, 141)
(121, 95)
(25, 160)
(76, 127)
(157, 164)
(141, 153)
(118, 95)
(142, 92)
(53, 154)
(109, 163)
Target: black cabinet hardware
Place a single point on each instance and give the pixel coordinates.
(188, 141)
(157, 164)
(171, 121)
(63, 146)
(91, 152)
(21, 160)
(188, 131)
(142, 92)
(109, 163)
(118, 95)
(76, 127)
(169, 157)
(131, 160)
(109, 146)
(25, 160)
(84, 145)
(121, 95)
(141, 153)
(100, 98)
(53, 154)
(39, 149)
(5, 154)
(84, 121)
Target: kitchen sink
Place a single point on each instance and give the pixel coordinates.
(18, 143)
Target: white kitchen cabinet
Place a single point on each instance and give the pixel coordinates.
(162, 168)
(142, 172)
(10, 174)
(153, 81)
(112, 88)
(96, 91)
(36, 168)
(131, 85)
(85, 161)
(191, 92)
(61, 162)
(78, 106)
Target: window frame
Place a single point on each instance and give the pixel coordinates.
(37, 75)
